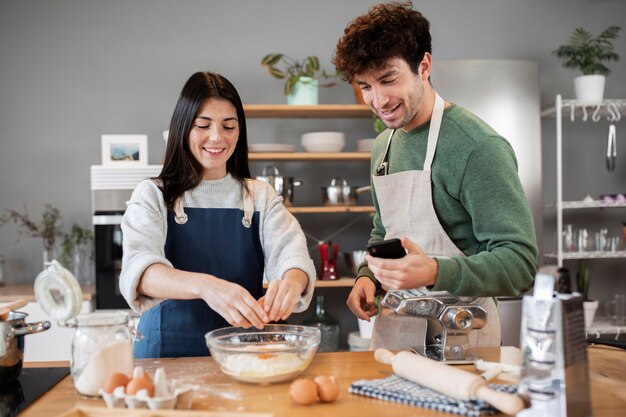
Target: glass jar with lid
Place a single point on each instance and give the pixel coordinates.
(102, 343)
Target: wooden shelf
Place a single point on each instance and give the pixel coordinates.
(309, 156)
(341, 282)
(332, 209)
(568, 205)
(589, 255)
(321, 111)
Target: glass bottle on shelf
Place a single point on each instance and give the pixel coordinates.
(327, 324)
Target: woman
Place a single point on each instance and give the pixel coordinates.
(199, 238)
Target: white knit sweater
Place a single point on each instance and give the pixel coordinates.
(144, 229)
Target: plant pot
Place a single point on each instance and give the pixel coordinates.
(589, 88)
(590, 308)
(305, 92)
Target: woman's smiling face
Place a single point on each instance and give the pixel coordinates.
(213, 136)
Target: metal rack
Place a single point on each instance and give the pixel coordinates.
(609, 110)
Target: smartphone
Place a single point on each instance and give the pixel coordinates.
(391, 249)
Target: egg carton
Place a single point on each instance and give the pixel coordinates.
(166, 397)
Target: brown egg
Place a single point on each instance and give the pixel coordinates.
(115, 380)
(327, 388)
(137, 384)
(303, 391)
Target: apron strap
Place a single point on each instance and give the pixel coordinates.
(248, 208)
(383, 168)
(180, 216)
(433, 132)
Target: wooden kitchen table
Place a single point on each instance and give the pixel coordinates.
(217, 392)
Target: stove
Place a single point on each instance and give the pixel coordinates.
(31, 384)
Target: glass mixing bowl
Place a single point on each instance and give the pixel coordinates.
(278, 352)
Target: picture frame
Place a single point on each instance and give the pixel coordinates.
(124, 150)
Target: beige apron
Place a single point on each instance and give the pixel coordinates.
(416, 218)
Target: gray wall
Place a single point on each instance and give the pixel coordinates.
(71, 70)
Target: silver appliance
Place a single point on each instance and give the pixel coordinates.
(449, 321)
(111, 188)
(555, 375)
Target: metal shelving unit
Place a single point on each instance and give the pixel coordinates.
(610, 110)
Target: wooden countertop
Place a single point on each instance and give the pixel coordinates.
(13, 292)
(217, 392)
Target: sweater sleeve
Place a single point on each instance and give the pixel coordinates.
(505, 261)
(144, 227)
(284, 245)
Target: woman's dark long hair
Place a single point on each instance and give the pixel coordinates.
(181, 170)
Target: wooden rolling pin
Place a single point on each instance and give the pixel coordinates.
(448, 380)
(5, 309)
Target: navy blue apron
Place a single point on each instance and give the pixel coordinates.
(212, 241)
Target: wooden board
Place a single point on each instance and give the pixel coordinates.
(114, 412)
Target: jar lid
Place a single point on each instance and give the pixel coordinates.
(102, 318)
(58, 292)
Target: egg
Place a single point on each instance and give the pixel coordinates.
(327, 388)
(115, 380)
(303, 391)
(137, 384)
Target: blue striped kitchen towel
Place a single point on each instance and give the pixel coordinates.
(400, 390)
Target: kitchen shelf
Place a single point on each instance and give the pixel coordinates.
(602, 326)
(581, 109)
(606, 110)
(336, 283)
(321, 111)
(332, 209)
(309, 156)
(568, 205)
(589, 255)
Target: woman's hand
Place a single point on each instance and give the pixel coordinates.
(283, 294)
(415, 270)
(234, 303)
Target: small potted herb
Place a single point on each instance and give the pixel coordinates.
(582, 285)
(588, 54)
(301, 76)
(48, 228)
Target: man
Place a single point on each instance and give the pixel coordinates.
(442, 180)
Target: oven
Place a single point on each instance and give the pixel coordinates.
(111, 188)
(109, 208)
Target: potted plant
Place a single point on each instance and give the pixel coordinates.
(73, 249)
(588, 55)
(49, 228)
(582, 284)
(301, 76)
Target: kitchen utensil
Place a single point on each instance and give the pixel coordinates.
(278, 352)
(611, 149)
(283, 185)
(450, 319)
(13, 329)
(555, 375)
(328, 256)
(436, 376)
(339, 193)
(5, 309)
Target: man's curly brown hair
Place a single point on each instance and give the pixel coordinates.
(386, 31)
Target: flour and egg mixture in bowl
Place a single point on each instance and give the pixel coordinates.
(278, 352)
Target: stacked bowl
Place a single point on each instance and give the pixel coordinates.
(323, 141)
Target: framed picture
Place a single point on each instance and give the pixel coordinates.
(124, 149)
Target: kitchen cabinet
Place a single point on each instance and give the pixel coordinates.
(335, 111)
(603, 114)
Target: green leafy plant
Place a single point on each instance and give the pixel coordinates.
(582, 279)
(49, 228)
(379, 126)
(77, 238)
(586, 53)
(294, 69)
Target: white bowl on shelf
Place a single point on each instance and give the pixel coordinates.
(323, 141)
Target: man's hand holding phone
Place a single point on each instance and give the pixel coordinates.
(415, 269)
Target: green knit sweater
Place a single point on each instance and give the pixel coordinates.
(479, 201)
